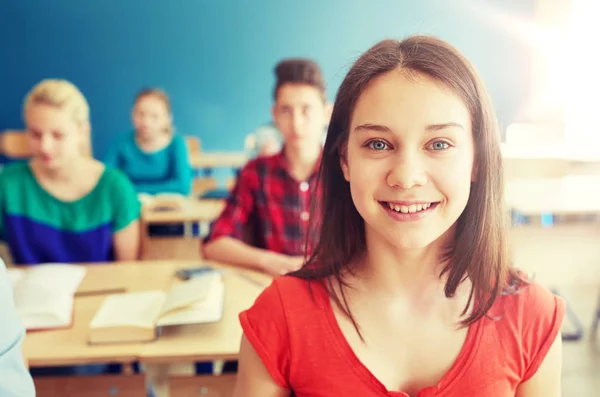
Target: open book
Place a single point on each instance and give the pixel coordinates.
(44, 294)
(136, 316)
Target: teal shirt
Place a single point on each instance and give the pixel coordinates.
(165, 171)
(40, 228)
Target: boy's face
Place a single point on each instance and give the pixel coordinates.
(300, 114)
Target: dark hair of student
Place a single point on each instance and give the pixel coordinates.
(299, 71)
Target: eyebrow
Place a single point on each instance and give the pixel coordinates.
(429, 128)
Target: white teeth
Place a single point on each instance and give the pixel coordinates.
(405, 209)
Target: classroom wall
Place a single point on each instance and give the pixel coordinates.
(215, 57)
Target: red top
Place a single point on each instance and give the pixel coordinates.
(271, 203)
(303, 348)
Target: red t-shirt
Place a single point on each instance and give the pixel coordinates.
(303, 348)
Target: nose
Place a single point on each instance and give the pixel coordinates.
(407, 170)
(46, 143)
(297, 120)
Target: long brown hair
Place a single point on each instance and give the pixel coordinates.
(479, 251)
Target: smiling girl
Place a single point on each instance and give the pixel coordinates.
(410, 291)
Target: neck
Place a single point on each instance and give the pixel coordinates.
(62, 174)
(410, 272)
(302, 157)
(152, 139)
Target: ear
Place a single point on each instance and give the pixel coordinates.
(85, 130)
(344, 166)
(274, 114)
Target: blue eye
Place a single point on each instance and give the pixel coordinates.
(440, 145)
(377, 145)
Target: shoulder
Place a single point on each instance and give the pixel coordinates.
(14, 171)
(527, 320)
(114, 179)
(124, 139)
(17, 182)
(529, 301)
(264, 164)
(178, 140)
(286, 297)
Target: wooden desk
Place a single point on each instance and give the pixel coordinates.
(576, 194)
(210, 160)
(218, 159)
(185, 343)
(69, 346)
(193, 211)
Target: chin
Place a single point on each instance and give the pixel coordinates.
(408, 239)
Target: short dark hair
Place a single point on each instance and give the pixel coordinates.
(299, 71)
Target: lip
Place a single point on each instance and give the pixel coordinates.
(410, 216)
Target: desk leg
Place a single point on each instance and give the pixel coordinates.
(157, 375)
(218, 367)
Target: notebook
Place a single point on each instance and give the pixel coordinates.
(138, 316)
(44, 294)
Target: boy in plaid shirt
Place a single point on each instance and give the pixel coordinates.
(273, 195)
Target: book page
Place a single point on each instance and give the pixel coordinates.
(137, 309)
(207, 310)
(188, 292)
(64, 278)
(15, 275)
(39, 309)
(44, 294)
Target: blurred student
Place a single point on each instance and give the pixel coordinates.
(273, 195)
(154, 157)
(62, 205)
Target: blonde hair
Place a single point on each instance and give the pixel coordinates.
(63, 95)
(161, 96)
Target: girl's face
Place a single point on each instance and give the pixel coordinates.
(55, 138)
(151, 118)
(409, 159)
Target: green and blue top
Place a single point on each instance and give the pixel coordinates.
(40, 228)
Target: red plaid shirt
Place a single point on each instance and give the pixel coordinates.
(269, 203)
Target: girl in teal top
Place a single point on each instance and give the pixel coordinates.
(154, 158)
(62, 205)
